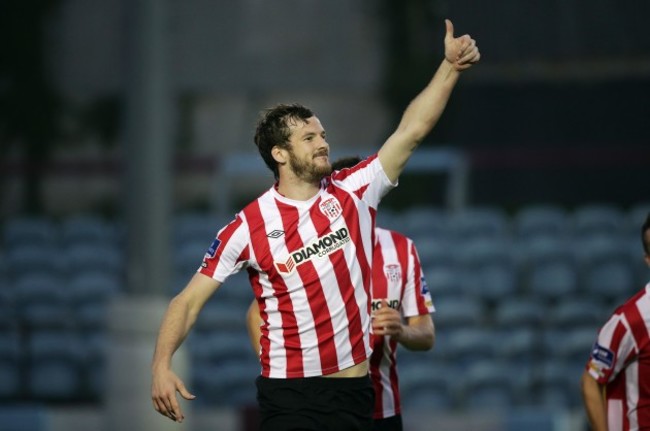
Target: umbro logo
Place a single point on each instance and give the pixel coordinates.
(275, 233)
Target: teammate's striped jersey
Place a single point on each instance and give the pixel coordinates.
(309, 267)
(397, 277)
(620, 359)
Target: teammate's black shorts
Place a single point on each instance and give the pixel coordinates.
(315, 403)
(393, 423)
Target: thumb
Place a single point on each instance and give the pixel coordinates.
(384, 302)
(184, 392)
(450, 29)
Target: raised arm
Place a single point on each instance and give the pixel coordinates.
(423, 112)
(177, 322)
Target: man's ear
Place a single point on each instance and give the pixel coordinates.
(279, 154)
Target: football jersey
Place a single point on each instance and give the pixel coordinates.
(308, 263)
(620, 359)
(397, 277)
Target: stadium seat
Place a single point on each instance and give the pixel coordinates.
(523, 312)
(598, 219)
(23, 417)
(444, 282)
(466, 346)
(434, 251)
(55, 365)
(89, 293)
(25, 258)
(100, 257)
(541, 221)
(550, 281)
(30, 231)
(519, 345)
(478, 222)
(42, 302)
(89, 229)
(423, 222)
(428, 385)
(11, 360)
(613, 282)
(229, 384)
(459, 312)
(196, 226)
(488, 385)
(577, 312)
(490, 268)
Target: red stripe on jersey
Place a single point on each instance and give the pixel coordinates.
(394, 379)
(343, 277)
(265, 344)
(289, 325)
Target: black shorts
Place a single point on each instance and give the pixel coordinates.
(315, 403)
(393, 423)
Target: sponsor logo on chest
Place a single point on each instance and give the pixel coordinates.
(321, 247)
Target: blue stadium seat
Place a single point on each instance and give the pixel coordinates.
(489, 267)
(577, 312)
(11, 360)
(444, 282)
(89, 229)
(429, 386)
(459, 312)
(100, 257)
(89, 293)
(520, 312)
(466, 346)
(25, 258)
(598, 219)
(55, 365)
(423, 222)
(519, 346)
(434, 251)
(542, 220)
(196, 226)
(479, 222)
(489, 385)
(550, 281)
(229, 384)
(30, 231)
(23, 417)
(42, 301)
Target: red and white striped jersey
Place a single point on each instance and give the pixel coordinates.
(309, 267)
(397, 277)
(620, 359)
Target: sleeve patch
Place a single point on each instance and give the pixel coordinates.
(212, 250)
(603, 355)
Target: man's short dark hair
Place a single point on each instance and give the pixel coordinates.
(273, 129)
(645, 235)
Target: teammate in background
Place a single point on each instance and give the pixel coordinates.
(307, 247)
(616, 381)
(399, 294)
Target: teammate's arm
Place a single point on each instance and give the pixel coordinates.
(423, 112)
(179, 318)
(253, 322)
(416, 334)
(593, 397)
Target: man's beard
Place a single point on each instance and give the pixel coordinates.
(309, 172)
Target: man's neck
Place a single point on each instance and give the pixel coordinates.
(295, 189)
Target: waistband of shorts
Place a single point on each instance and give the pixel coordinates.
(323, 382)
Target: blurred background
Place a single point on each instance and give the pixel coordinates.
(126, 143)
